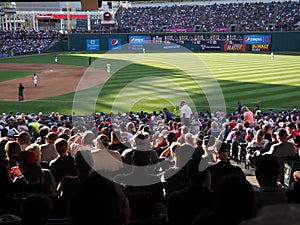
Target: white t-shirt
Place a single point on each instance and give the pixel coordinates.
(187, 111)
(106, 160)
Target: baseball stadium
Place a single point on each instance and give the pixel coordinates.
(218, 79)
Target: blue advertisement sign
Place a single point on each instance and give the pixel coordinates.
(92, 44)
(257, 39)
(114, 43)
(133, 39)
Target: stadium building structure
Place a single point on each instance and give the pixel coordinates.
(62, 16)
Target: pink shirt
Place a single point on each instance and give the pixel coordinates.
(249, 117)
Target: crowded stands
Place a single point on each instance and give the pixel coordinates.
(22, 42)
(258, 16)
(68, 162)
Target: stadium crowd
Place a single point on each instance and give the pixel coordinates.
(258, 16)
(54, 167)
(244, 17)
(20, 42)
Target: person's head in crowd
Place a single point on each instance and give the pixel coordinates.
(101, 141)
(130, 127)
(141, 141)
(3, 142)
(171, 138)
(4, 132)
(13, 150)
(64, 136)
(83, 160)
(181, 153)
(267, 170)
(115, 136)
(44, 131)
(88, 138)
(36, 209)
(34, 147)
(67, 131)
(281, 134)
(24, 139)
(61, 146)
(260, 136)
(234, 194)
(54, 128)
(184, 129)
(189, 139)
(197, 172)
(104, 130)
(147, 129)
(51, 137)
(222, 151)
(112, 204)
(141, 158)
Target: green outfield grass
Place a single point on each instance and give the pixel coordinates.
(151, 85)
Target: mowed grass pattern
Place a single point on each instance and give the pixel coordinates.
(249, 78)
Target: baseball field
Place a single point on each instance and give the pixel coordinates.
(151, 81)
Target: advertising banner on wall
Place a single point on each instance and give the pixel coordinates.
(134, 39)
(92, 44)
(136, 42)
(210, 47)
(260, 47)
(234, 47)
(257, 39)
(114, 44)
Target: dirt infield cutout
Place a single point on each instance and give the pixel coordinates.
(53, 80)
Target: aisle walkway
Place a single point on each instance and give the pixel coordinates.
(250, 173)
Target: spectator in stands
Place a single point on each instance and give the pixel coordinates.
(267, 173)
(143, 189)
(24, 139)
(36, 209)
(34, 147)
(13, 150)
(33, 179)
(184, 205)
(42, 135)
(116, 143)
(112, 204)
(175, 177)
(105, 160)
(283, 148)
(221, 166)
(70, 184)
(141, 142)
(233, 202)
(64, 164)
(48, 151)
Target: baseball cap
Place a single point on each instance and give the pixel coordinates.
(225, 147)
(24, 137)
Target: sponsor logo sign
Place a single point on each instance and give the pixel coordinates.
(139, 39)
(234, 47)
(92, 44)
(260, 47)
(257, 39)
(114, 44)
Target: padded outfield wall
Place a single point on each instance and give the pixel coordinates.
(233, 42)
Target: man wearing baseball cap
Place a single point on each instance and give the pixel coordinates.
(283, 148)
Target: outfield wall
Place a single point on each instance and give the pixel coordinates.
(231, 42)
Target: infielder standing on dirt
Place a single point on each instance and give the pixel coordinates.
(21, 89)
(35, 80)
